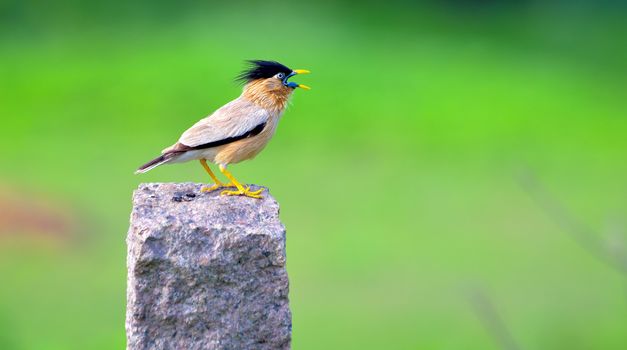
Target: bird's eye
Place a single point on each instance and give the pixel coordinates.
(280, 75)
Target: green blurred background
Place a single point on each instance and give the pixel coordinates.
(456, 178)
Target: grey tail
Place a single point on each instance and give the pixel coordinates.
(154, 163)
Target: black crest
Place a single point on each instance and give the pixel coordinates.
(258, 69)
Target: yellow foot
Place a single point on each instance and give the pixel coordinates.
(246, 192)
(215, 187)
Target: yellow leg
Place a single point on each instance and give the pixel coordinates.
(217, 183)
(241, 191)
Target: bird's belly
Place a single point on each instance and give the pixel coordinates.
(243, 149)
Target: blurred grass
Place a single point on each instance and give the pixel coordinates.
(396, 174)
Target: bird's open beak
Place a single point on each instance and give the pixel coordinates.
(295, 85)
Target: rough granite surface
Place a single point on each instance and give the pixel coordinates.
(205, 271)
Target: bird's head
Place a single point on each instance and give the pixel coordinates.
(272, 76)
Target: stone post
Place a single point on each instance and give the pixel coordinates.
(205, 271)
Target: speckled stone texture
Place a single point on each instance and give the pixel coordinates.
(205, 271)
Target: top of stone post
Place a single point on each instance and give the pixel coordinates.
(184, 203)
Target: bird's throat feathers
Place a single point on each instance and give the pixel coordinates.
(268, 93)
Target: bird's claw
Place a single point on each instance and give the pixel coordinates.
(244, 192)
(215, 187)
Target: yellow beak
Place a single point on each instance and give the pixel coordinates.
(302, 71)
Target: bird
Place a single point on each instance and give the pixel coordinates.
(239, 130)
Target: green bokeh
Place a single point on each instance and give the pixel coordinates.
(399, 174)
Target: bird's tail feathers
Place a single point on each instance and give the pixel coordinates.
(155, 163)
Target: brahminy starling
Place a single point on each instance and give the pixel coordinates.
(240, 129)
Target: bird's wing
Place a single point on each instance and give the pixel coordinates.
(234, 121)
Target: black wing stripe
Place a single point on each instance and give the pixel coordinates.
(253, 132)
